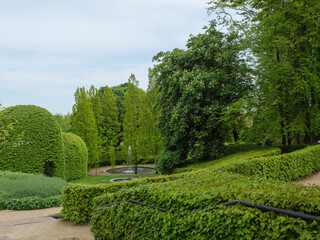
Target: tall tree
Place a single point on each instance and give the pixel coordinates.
(195, 87)
(84, 125)
(110, 126)
(131, 105)
(149, 138)
(284, 38)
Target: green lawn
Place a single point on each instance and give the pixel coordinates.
(106, 178)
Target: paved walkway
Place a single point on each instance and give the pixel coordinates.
(313, 179)
(38, 225)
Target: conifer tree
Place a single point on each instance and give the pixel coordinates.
(84, 125)
(110, 125)
(131, 104)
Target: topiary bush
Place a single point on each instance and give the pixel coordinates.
(75, 155)
(32, 142)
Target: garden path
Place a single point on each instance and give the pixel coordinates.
(313, 179)
(37, 225)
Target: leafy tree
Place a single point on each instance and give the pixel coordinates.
(84, 125)
(195, 87)
(283, 37)
(149, 139)
(110, 125)
(64, 122)
(132, 104)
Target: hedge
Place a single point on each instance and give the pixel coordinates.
(129, 221)
(78, 203)
(34, 143)
(126, 221)
(75, 155)
(291, 166)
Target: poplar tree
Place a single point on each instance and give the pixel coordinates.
(131, 105)
(110, 126)
(84, 125)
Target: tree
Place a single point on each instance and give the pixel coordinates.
(110, 125)
(131, 105)
(284, 40)
(195, 87)
(64, 121)
(149, 139)
(84, 125)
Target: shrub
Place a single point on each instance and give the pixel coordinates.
(78, 202)
(33, 143)
(294, 165)
(28, 191)
(75, 155)
(203, 190)
(126, 221)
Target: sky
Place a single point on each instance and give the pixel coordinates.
(48, 48)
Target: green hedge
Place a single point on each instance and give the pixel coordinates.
(78, 203)
(126, 221)
(75, 155)
(34, 143)
(294, 165)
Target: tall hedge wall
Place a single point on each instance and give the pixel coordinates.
(33, 144)
(75, 155)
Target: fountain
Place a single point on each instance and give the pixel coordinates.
(129, 170)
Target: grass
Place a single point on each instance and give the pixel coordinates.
(237, 157)
(20, 185)
(105, 178)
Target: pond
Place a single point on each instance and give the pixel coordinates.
(130, 170)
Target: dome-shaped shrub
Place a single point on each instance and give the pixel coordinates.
(32, 142)
(75, 155)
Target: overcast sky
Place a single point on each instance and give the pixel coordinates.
(48, 48)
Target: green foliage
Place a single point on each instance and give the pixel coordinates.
(204, 189)
(78, 202)
(294, 165)
(75, 156)
(230, 159)
(110, 126)
(84, 125)
(282, 37)
(64, 122)
(132, 105)
(32, 143)
(195, 87)
(27, 191)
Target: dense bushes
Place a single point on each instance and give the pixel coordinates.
(126, 221)
(75, 155)
(33, 144)
(201, 190)
(294, 165)
(27, 191)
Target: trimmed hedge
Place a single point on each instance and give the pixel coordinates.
(287, 167)
(34, 143)
(129, 221)
(126, 221)
(78, 203)
(75, 155)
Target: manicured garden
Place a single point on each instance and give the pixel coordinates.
(201, 189)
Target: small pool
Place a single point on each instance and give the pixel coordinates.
(130, 170)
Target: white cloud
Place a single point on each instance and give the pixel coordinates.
(49, 48)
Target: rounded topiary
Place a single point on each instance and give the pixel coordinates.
(75, 156)
(30, 141)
